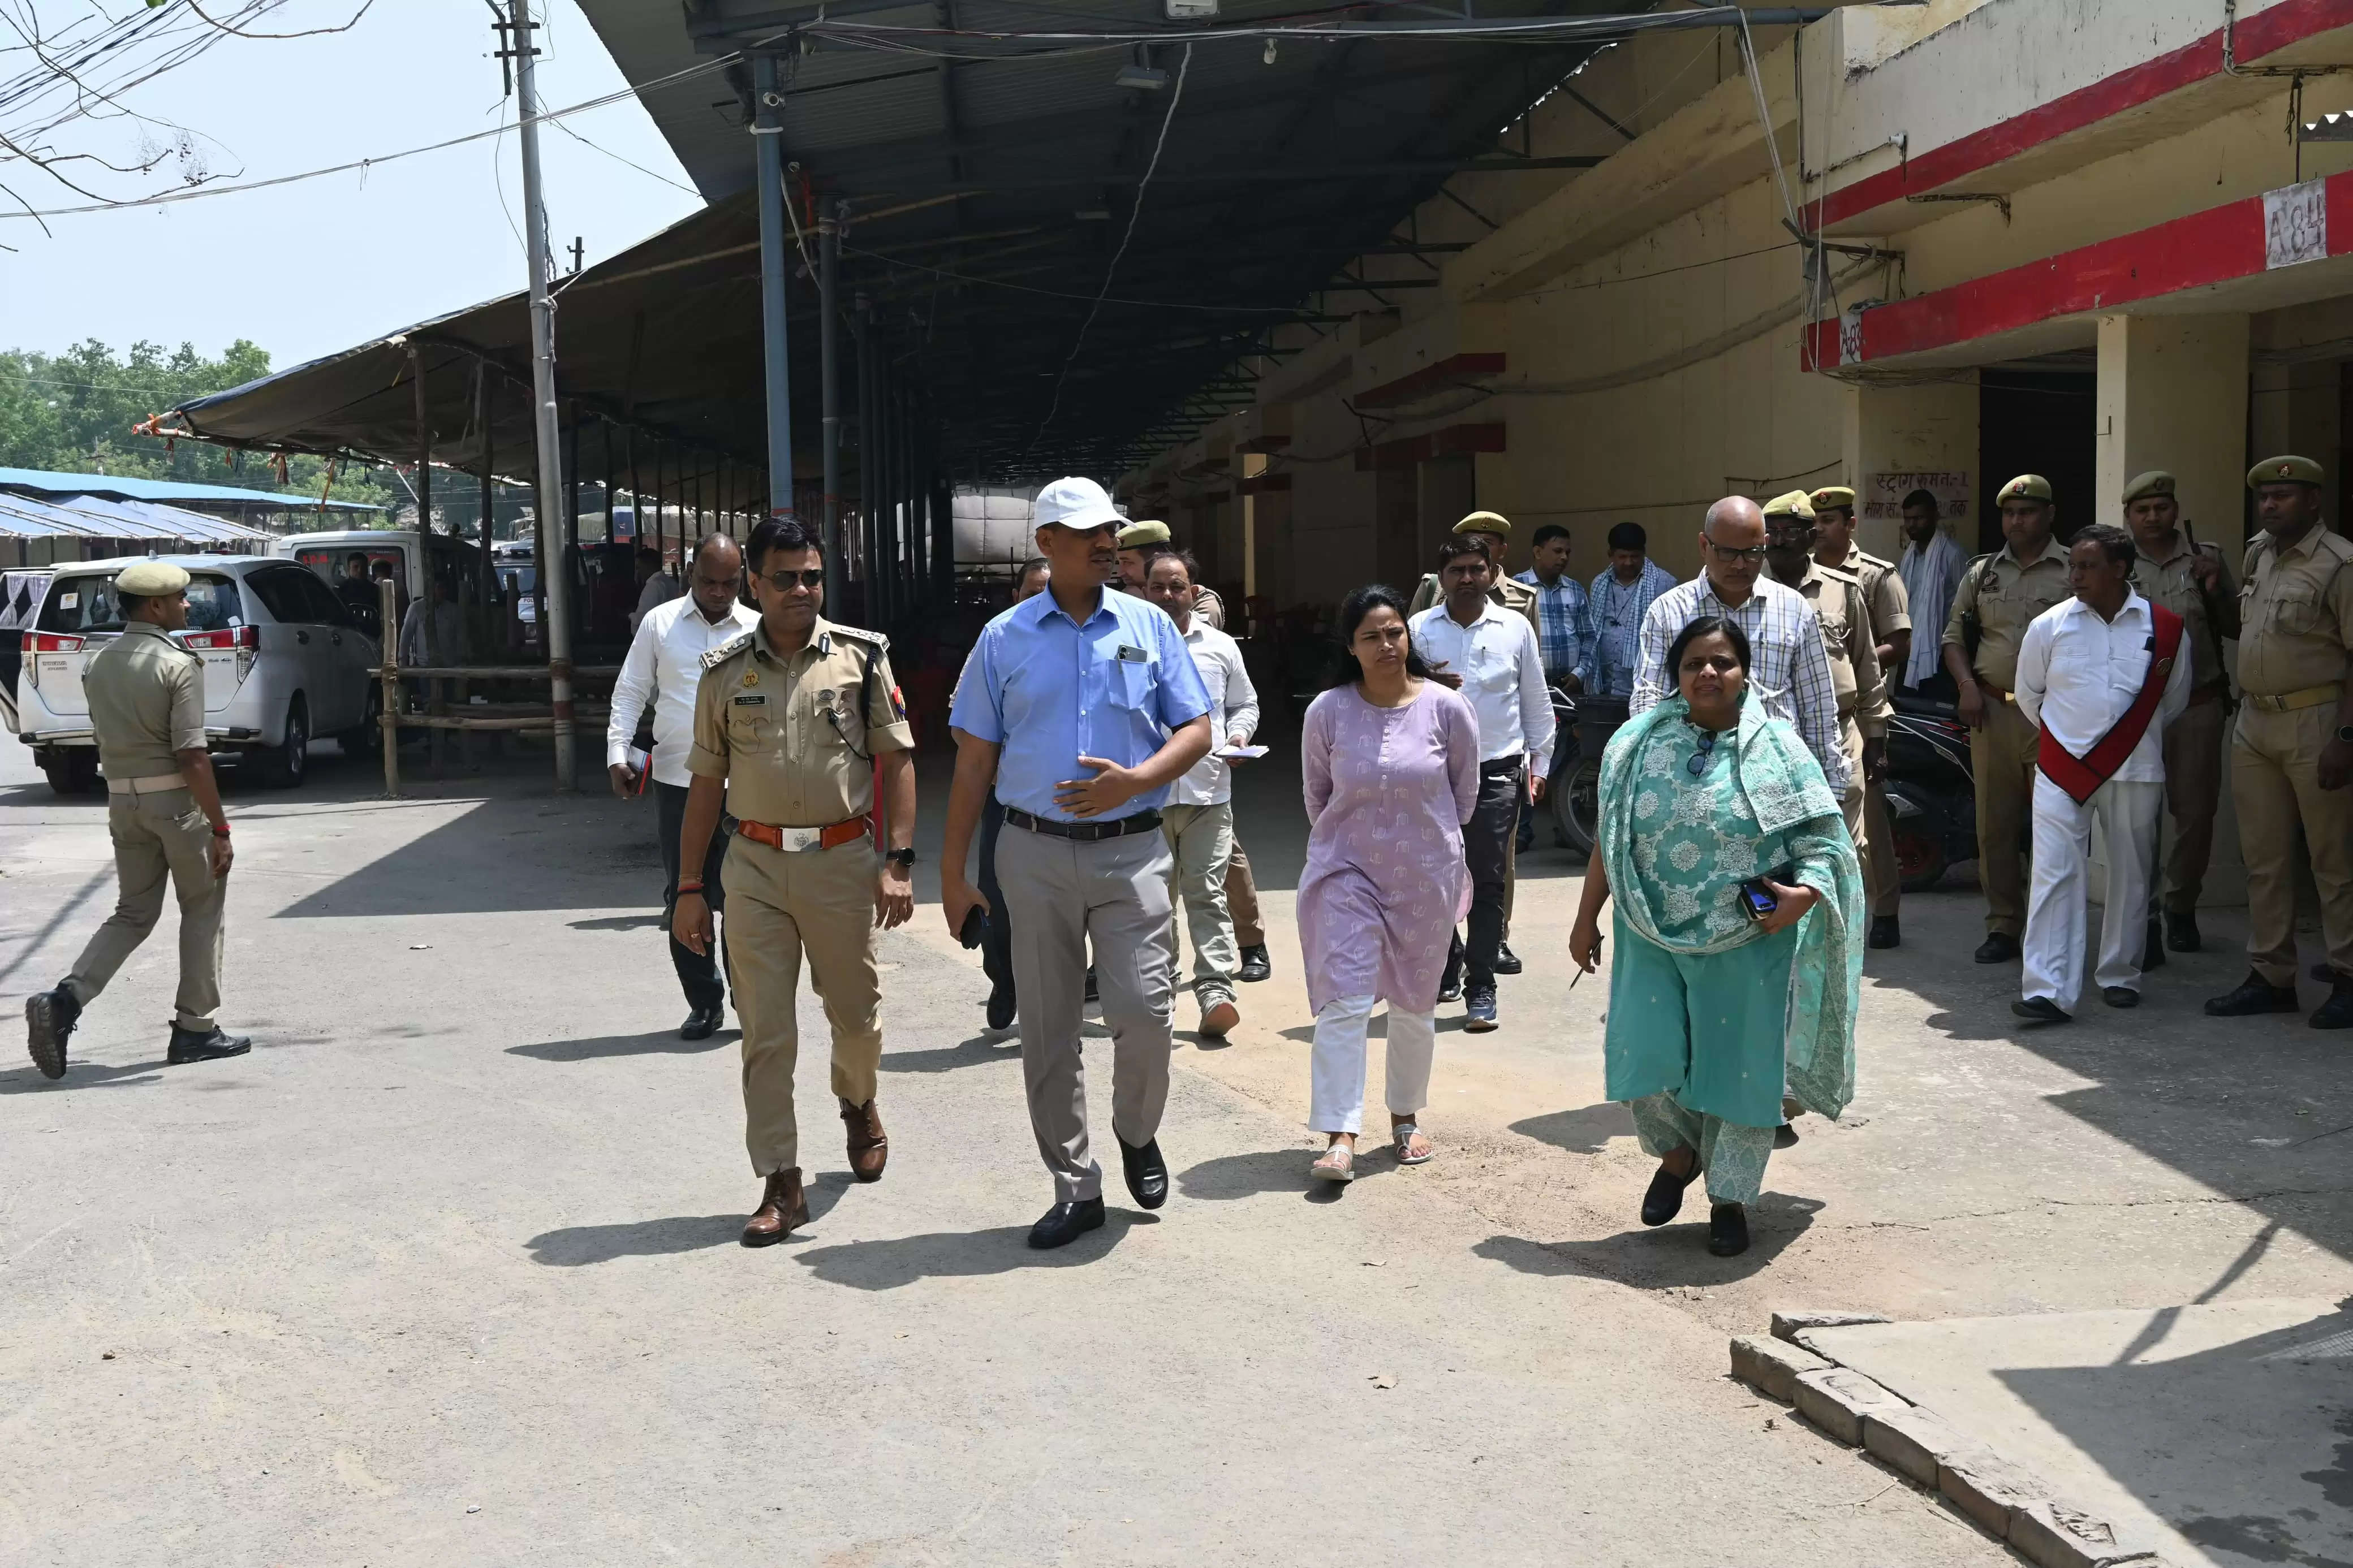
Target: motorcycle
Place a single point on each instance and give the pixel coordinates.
(1582, 727)
(1931, 791)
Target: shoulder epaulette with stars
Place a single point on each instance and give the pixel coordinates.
(861, 634)
(726, 650)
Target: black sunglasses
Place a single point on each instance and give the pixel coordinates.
(1698, 764)
(782, 582)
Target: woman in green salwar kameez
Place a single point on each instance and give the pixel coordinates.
(1716, 1011)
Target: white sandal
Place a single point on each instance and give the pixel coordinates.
(1402, 1134)
(1325, 1168)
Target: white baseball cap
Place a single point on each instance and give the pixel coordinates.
(1075, 503)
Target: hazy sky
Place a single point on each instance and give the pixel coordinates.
(307, 268)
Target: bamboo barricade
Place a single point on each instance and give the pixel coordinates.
(512, 717)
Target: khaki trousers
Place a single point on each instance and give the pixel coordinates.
(780, 904)
(1200, 848)
(1241, 899)
(2275, 783)
(1850, 804)
(2002, 756)
(1064, 893)
(2193, 788)
(160, 836)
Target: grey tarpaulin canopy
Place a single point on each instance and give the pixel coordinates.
(988, 186)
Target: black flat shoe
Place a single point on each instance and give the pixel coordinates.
(1785, 1136)
(1728, 1230)
(2181, 933)
(1000, 1007)
(1884, 933)
(205, 1045)
(2152, 952)
(2042, 1010)
(2254, 994)
(2324, 972)
(49, 1019)
(701, 1023)
(2120, 996)
(1147, 1171)
(1999, 947)
(1065, 1223)
(1255, 966)
(1665, 1198)
(1506, 961)
(1449, 988)
(2337, 1013)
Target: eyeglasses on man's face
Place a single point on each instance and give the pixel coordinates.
(1738, 553)
(784, 582)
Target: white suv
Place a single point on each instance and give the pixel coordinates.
(284, 661)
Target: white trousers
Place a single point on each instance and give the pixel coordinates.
(1337, 1069)
(2055, 919)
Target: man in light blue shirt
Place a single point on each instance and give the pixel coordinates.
(1081, 707)
(1617, 601)
(1564, 624)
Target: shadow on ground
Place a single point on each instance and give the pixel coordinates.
(889, 1264)
(1674, 1254)
(660, 1042)
(665, 1238)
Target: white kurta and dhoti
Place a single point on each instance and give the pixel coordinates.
(2077, 675)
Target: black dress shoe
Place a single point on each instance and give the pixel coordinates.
(1885, 932)
(1665, 1198)
(1999, 947)
(205, 1045)
(2120, 996)
(2325, 972)
(1255, 966)
(1000, 1007)
(2254, 994)
(1093, 994)
(1065, 1223)
(49, 1019)
(2181, 931)
(1506, 961)
(2042, 1010)
(2337, 1013)
(2152, 952)
(1147, 1173)
(1728, 1230)
(701, 1023)
(1785, 1136)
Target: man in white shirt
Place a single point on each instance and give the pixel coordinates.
(1931, 567)
(1198, 819)
(655, 586)
(1489, 654)
(662, 671)
(2101, 675)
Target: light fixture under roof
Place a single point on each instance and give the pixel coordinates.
(1150, 79)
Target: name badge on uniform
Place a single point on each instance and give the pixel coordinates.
(1132, 655)
(751, 700)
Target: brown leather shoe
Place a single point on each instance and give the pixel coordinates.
(869, 1147)
(781, 1206)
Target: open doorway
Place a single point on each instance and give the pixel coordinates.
(2038, 419)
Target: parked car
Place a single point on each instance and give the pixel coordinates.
(284, 661)
(20, 603)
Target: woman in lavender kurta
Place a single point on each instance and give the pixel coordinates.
(1390, 760)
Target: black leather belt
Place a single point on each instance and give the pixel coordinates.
(1504, 765)
(1084, 832)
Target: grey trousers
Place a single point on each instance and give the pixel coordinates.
(1201, 842)
(158, 838)
(1062, 893)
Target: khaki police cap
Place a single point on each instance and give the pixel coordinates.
(152, 580)
(1830, 496)
(1485, 522)
(2142, 487)
(2283, 471)
(2026, 487)
(1139, 533)
(1793, 504)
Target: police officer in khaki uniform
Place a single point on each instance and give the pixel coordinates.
(146, 696)
(2292, 753)
(1999, 598)
(1140, 544)
(1847, 638)
(1891, 628)
(2191, 579)
(789, 719)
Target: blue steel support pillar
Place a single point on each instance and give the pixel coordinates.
(767, 132)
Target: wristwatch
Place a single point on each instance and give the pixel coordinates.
(2345, 733)
(900, 856)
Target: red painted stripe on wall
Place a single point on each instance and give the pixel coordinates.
(2264, 33)
(2192, 252)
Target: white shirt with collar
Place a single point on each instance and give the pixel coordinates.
(1233, 711)
(2077, 674)
(1502, 668)
(663, 668)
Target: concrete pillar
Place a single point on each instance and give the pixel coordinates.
(1896, 436)
(2173, 395)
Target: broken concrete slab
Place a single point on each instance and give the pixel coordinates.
(1789, 1325)
(1912, 1441)
(1770, 1366)
(1988, 1488)
(1839, 1400)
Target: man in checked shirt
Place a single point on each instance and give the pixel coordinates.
(1790, 671)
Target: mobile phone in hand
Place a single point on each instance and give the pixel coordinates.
(1757, 898)
(975, 922)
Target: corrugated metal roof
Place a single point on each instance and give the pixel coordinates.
(41, 481)
(100, 517)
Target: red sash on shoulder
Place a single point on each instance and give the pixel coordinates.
(2079, 776)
